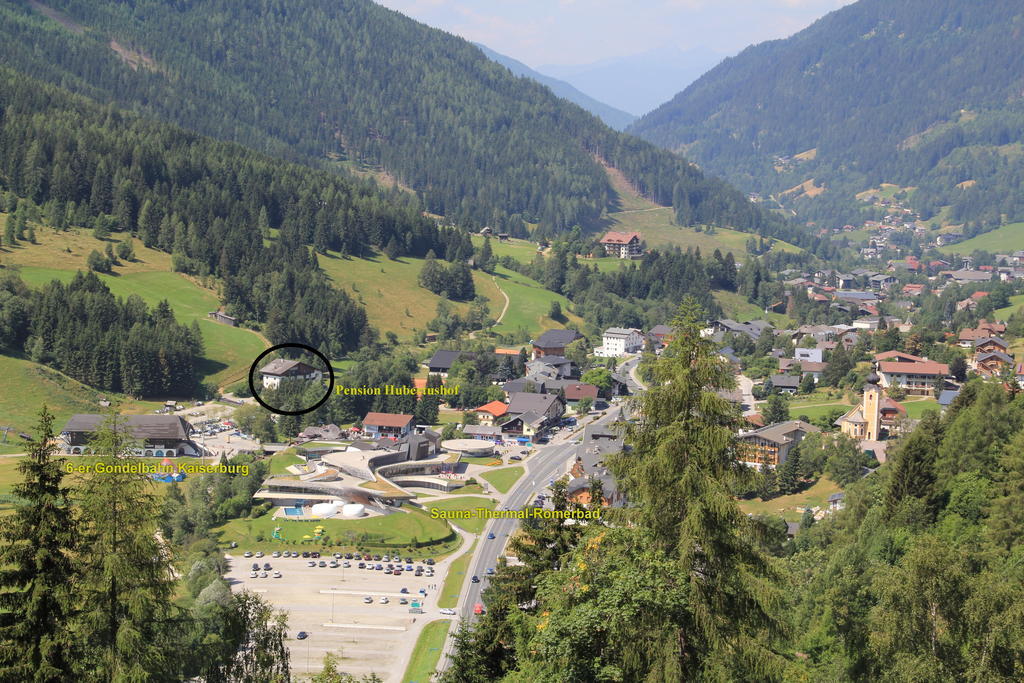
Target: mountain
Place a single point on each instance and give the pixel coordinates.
(354, 85)
(922, 94)
(640, 82)
(616, 118)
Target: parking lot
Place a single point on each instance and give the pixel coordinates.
(328, 604)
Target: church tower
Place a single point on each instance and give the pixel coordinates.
(871, 407)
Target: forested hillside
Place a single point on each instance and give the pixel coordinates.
(352, 81)
(212, 205)
(923, 94)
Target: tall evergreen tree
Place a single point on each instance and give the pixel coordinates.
(37, 572)
(912, 472)
(126, 581)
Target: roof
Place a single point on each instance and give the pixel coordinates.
(531, 418)
(482, 430)
(613, 237)
(519, 385)
(836, 497)
(620, 332)
(553, 339)
(898, 356)
(927, 367)
(443, 358)
(997, 355)
(139, 426)
(282, 366)
(554, 361)
(387, 420)
(786, 381)
(947, 395)
(660, 330)
(495, 408)
(893, 404)
(971, 275)
(779, 431)
(521, 402)
(992, 340)
(578, 390)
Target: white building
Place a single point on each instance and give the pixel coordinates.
(618, 341)
(277, 371)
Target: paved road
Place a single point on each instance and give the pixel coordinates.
(550, 462)
(746, 387)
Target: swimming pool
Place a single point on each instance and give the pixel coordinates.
(291, 512)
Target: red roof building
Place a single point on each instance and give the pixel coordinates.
(489, 412)
(622, 244)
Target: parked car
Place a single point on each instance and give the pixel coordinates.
(447, 611)
(263, 575)
(301, 635)
(404, 590)
(266, 565)
(478, 608)
(430, 560)
(256, 566)
(276, 553)
(311, 563)
(368, 600)
(259, 553)
(490, 571)
(403, 601)
(515, 457)
(322, 563)
(253, 575)
(361, 565)
(277, 574)
(384, 600)
(247, 553)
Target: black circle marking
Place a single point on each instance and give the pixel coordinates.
(292, 345)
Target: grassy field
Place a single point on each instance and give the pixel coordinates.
(28, 385)
(1004, 240)
(229, 350)
(917, 409)
(390, 290)
(655, 223)
(785, 506)
(504, 478)
(279, 462)
(489, 460)
(529, 304)
(427, 652)
(813, 412)
(1005, 312)
(474, 524)
(399, 527)
(453, 581)
(737, 307)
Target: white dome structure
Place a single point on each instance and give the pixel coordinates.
(353, 510)
(326, 509)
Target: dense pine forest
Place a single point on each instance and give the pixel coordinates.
(114, 344)
(921, 93)
(214, 206)
(357, 82)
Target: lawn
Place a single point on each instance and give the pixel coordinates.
(1005, 312)
(655, 223)
(816, 496)
(529, 304)
(813, 412)
(279, 462)
(398, 527)
(504, 478)
(736, 306)
(28, 385)
(229, 351)
(453, 580)
(917, 409)
(427, 652)
(390, 290)
(488, 460)
(474, 524)
(1004, 240)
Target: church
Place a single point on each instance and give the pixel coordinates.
(877, 416)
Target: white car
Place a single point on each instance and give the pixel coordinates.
(277, 574)
(384, 600)
(448, 610)
(368, 600)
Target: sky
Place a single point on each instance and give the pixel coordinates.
(569, 32)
